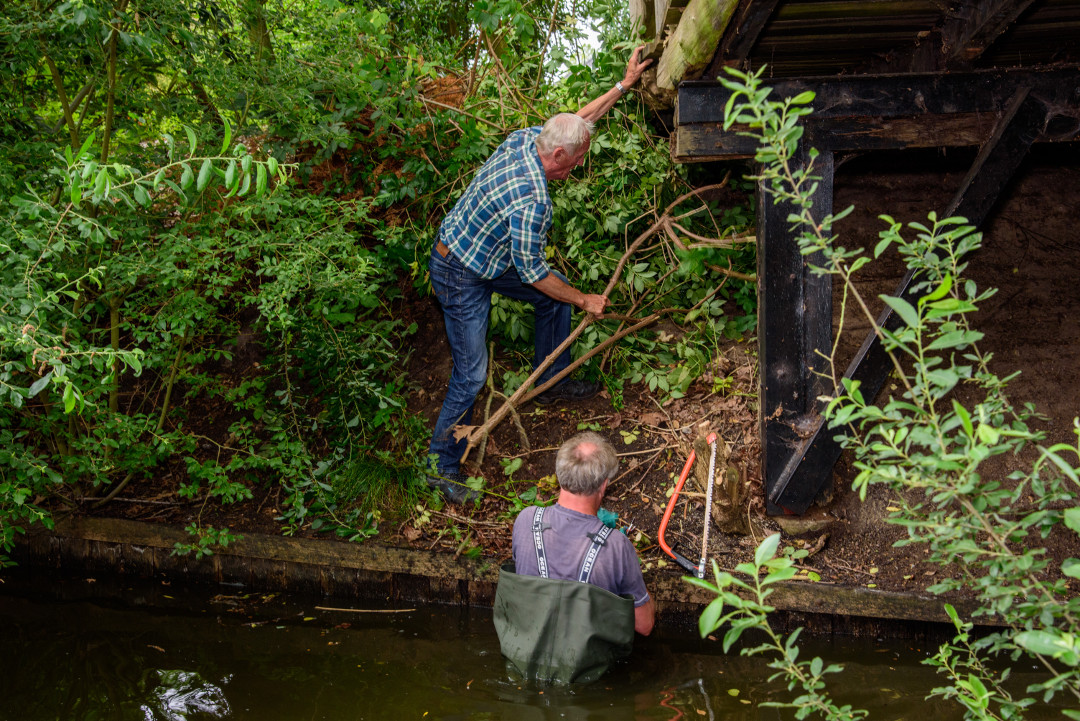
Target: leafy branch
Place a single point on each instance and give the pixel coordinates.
(740, 606)
(928, 445)
(475, 434)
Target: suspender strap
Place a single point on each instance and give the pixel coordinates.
(590, 558)
(538, 542)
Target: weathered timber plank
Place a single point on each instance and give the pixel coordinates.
(743, 33)
(660, 8)
(693, 44)
(642, 15)
(83, 548)
(53, 552)
(977, 25)
(967, 31)
(68, 547)
(653, 50)
(709, 141)
(701, 142)
(902, 133)
(673, 16)
(672, 592)
(205, 571)
(889, 96)
(164, 563)
(998, 160)
(293, 550)
(674, 11)
(240, 569)
(794, 322)
(302, 578)
(803, 11)
(883, 112)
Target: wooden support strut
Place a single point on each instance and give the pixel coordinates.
(742, 34)
(969, 28)
(809, 467)
(1003, 113)
(978, 26)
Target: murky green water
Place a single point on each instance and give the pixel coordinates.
(241, 656)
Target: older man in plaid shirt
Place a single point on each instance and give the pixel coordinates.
(493, 242)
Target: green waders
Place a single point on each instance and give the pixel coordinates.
(553, 630)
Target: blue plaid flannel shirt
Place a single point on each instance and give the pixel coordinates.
(504, 214)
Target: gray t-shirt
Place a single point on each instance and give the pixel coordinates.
(567, 537)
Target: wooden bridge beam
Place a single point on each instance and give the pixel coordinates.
(885, 112)
(794, 324)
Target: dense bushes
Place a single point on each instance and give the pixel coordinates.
(217, 208)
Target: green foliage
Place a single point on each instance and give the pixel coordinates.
(740, 606)
(138, 264)
(215, 212)
(928, 441)
(204, 540)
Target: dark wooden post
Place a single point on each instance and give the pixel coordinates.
(794, 324)
(810, 464)
(1002, 112)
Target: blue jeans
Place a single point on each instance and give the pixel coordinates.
(466, 303)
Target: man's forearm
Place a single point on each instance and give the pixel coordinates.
(596, 109)
(645, 617)
(553, 286)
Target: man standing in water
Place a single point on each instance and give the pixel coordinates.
(570, 605)
(493, 241)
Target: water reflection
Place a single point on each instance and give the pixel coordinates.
(262, 657)
(182, 694)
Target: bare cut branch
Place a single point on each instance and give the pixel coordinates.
(474, 434)
(428, 101)
(748, 277)
(487, 408)
(704, 242)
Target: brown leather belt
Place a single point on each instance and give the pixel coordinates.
(441, 248)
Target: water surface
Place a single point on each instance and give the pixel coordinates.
(236, 655)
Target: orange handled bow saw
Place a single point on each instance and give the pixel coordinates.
(698, 569)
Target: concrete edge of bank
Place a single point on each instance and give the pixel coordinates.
(337, 570)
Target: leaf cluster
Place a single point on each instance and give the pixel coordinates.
(929, 442)
(220, 206)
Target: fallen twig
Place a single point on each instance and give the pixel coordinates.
(842, 567)
(487, 409)
(466, 113)
(469, 521)
(748, 277)
(365, 610)
(648, 468)
(143, 501)
(647, 450)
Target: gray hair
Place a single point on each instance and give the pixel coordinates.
(584, 462)
(566, 131)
